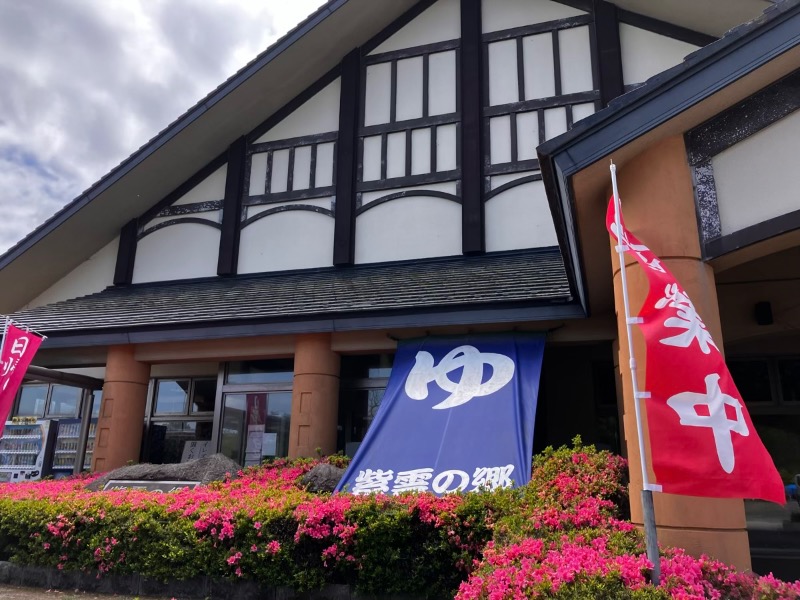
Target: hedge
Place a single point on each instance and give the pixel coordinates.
(564, 535)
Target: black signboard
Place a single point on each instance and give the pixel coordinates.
(159, 487)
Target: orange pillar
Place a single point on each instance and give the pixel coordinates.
(121, 421)
(315, 397)
(658, 204)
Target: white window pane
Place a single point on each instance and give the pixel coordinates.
(420, 151)
(302, 168)
(537, 54)
(409, 88)
(555, 122)
(378, 94)
(372, 158)
(280, 171)
(396, 154)
(258, 173)
(503, 86)
(324, 175)
(446, 147)
(576, 60)
(527, 135)
(500, 139)
(442, 83)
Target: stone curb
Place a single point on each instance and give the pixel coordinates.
(200, 588)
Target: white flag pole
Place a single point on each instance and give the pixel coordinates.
(648, 512)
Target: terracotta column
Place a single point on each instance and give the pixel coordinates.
(315, 396)
(121, 421)
(658, 204)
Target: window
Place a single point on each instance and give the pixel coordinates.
(65, 401)
(261, 371)
(256, 426)
(364, 380)
(32, 400)
(42, 400)
(181, 421)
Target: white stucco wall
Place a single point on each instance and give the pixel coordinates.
(645, 54)
(182, 251)
(438, 23)
(287, 240)
(93, 275)
(758, 178)
(211, 188)
(319, 114)
(519, 217)
(505, 14)
(406, 228)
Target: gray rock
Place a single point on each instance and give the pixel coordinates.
(205, 470)
(322, 478)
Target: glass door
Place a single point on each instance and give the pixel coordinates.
(255, 426)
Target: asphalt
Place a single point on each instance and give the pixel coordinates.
(9, 592)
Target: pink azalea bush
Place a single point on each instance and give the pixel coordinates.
(569, 541)
(562, 536)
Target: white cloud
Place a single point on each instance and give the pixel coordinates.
(84, 83)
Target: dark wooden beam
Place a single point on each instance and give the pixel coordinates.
(676, 32)
(344, 236)
(607, 52)
(232, 209)
(470, 79)
(126, 254)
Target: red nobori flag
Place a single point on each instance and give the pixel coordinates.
(19, 346)
(702, 441)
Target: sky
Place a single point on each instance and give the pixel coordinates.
(84, 83)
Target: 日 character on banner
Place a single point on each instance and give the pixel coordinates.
(702, 441)
(18, 349)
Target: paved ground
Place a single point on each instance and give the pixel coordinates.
(8, 592)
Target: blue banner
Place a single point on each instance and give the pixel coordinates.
(457, 415)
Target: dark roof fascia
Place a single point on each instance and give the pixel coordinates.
(172, 130)
(663, 97)
(469, 315)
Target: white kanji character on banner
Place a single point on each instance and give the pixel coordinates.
(686, 319)
(723, 428)
(444, 480)
(19, 346)
(491, 478)
(370, 481)
(8, 367)
(415, 480)
(638, 249)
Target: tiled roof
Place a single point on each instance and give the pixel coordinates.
(520, 278)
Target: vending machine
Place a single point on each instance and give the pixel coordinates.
(87, 457)
(26, 449)
(67, 448)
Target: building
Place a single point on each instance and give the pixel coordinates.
(374, 176)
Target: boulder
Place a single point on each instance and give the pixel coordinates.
(205, 470)
(322, 478)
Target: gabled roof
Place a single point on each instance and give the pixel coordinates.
(233, 109)
(741, 52)
(262, 87)
(511, 286)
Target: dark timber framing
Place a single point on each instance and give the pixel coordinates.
(726, 129)
(306, 192)
(126, 254)
(135, 229)
(607, 52)
(162, 208)
(663, 28)
(234, 190)
(524, 105)
(702, 74)
(472, 74)
(406, 126)
(344, 235)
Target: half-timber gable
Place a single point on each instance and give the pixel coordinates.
(419, 144)
(179, 239)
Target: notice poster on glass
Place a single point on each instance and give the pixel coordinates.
(269, 444)
(252, 451)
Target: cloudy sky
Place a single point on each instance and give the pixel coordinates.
(84, 83)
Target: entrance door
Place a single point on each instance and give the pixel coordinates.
(255, 426)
